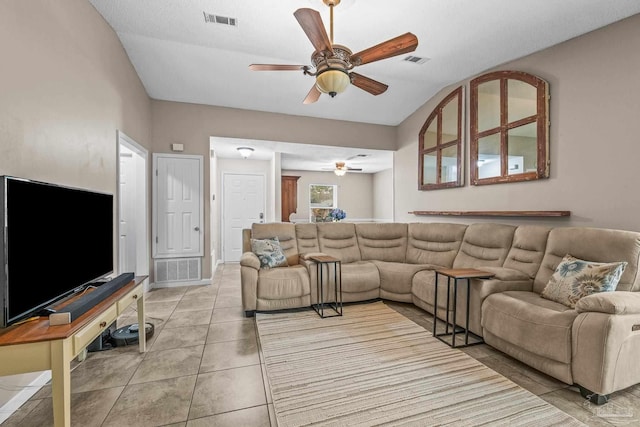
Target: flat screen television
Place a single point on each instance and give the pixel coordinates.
(54, 241)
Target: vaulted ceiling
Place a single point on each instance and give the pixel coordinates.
(181, 57)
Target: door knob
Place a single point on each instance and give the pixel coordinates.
(197, 228)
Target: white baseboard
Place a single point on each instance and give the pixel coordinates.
(177, 284)
(23, 395)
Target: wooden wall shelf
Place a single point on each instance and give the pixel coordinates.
(542, 214)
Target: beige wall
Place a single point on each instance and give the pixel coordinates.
(66, 86)
(594, 139)
(355, 193)
(193, 125)
(383, 195)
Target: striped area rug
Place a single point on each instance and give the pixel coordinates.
(373, 366)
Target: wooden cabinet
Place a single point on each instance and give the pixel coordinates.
(289, 190)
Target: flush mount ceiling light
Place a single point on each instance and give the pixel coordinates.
(245, 152)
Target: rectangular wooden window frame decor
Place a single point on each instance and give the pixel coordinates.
(436, 115)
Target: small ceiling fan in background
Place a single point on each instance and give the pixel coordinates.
(341, 169)
(333, 62)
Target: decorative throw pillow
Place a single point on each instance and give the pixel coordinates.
(575, 278)
(269, 252)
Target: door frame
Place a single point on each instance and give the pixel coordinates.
(223, 206)
(142, 230)
(154, 221)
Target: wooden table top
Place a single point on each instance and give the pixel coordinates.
(465, 273)
(39, 330)
(323, 258)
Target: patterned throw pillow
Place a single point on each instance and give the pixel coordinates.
(269, 252)
(575, 278)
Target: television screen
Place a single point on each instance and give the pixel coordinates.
(56, 239)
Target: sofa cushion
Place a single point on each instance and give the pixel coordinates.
(396, 279)
(575, 278)
(286, 234)
(269, 252)
(484, 245)
(530, 322)
(339, 240)
(283, 283)
(593, 244)
(434, 243)
(360, 281)
(527, 249)
(307, 237)
(382, 242)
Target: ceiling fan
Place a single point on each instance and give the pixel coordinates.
(333, 62)
(341, 169)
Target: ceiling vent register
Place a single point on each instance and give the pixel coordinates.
(217, 19)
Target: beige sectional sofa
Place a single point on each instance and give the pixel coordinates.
(595, 345)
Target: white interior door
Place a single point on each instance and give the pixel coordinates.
(244, 203)
(178, 205)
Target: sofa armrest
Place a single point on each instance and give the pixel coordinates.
(505, 274)
(617, 302)
(249, 259)
(308, 255)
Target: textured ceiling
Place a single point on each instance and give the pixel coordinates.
(180, 57)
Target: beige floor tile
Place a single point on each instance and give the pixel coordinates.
(211, 290)
(228, 301)
(228, 390)
(231, 331)
(257, 416)
(21, 416)
(227, 314)
(233, 291)
(570, 402)
(87, 409)
(180, 337)
(231, 354)
(176, 425)
(195, 304)
(153, 404)
(165, 294)
(164, 364)
(104, 372)
(160, 309)
(181, 319)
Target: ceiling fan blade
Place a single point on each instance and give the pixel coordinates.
(353, 169)
(276, 67)
(402, 44)
(369, 85)
(311, 23)
(312, 96)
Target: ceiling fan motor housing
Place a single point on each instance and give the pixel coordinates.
(332, 76)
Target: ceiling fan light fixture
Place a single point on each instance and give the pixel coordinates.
(245, 152)
(332, 81)
(340, 172)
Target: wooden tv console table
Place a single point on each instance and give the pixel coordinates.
(36, 346)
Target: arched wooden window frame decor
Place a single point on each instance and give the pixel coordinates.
(541, 120)
(457, 96)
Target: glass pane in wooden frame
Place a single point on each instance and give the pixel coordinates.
(440, 163)
(522, 130)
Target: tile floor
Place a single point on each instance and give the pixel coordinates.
(204, 368)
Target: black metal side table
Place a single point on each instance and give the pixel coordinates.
(328, 261)
(456, 274)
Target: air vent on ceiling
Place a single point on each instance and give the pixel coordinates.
(416, 59)
(217, 19)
